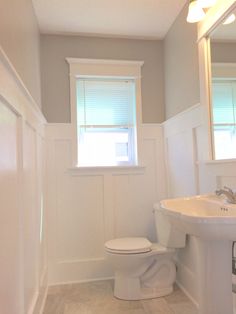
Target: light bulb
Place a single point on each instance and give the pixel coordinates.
(230, 19)
(206, 3)
(195, 12)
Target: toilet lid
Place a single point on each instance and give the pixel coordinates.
(128, 245)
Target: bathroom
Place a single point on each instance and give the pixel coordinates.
(56, 217)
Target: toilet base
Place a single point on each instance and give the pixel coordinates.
(128, 288)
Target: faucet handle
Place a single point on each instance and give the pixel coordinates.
(228, 189)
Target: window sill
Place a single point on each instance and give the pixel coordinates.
(94, 171)
(218, 161)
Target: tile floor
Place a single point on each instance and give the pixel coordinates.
(97, 298)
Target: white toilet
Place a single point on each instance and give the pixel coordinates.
(145, 270)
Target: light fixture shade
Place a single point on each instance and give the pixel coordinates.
(206, 3)
(195, 12)
(230, 19)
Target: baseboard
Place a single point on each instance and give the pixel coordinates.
(185, 279)
(79, 271)
(42, 294)
(42, 302)
(187, 293)
(33, 303)
(81, 281)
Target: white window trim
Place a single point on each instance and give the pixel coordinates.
(104, 68)
(100, 170)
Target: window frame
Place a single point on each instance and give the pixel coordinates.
(104, 69)
(129, 128)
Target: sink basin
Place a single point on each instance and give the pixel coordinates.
(213, 222)
(205, 216)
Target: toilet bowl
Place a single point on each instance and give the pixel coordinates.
(145, 270)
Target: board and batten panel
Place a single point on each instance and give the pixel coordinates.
(134, 196)
(78, 235)
(79, 211)
(225, 180)
(181, 164)
(10, 258)
(31, 222)
(41, 215)
(33, 219)
(80, 216)
(86, 209)
(131, 205)
(217, 174)
(22, 285)
(41, 244)
(183, 148)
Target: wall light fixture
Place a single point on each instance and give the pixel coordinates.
(195, 12)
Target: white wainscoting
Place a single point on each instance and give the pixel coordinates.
(88, 207)
(189, 173)
(23, 264)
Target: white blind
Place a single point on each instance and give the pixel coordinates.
(102, 102)
(224, 102)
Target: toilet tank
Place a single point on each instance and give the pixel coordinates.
(167, 234)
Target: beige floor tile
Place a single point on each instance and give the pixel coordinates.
(130, 311)
(156, 306)
(79, 308)
(111, 303)
(83, 292)
(97, 298)
(54, 304)
(176, 297)
(184, 308)
(119, 311)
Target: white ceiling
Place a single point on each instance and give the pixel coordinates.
(121, 18)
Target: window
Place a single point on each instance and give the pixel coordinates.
(105, 111)
(106, 121)
(224, 118)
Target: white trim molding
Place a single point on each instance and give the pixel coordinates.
(104, 61)
(94, 171)
(29, 102)
(105, 68)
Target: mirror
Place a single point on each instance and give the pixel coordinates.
(223, 89)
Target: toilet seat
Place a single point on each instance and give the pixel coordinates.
(128, 245)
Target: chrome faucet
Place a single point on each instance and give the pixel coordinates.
(228, 193)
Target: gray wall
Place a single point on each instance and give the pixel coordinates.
(223, 52)
(181, 66)
(55, 71)
(20, 40)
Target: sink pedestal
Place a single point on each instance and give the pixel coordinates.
(215, 276)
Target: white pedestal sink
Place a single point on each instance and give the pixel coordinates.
(213, 223)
